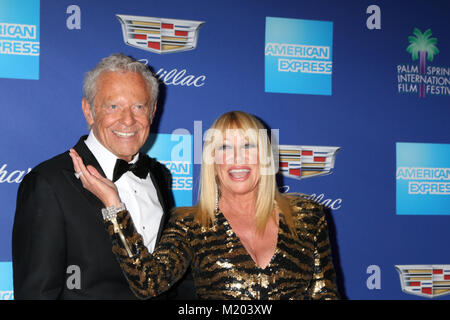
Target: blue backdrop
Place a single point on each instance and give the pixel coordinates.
(325, 73)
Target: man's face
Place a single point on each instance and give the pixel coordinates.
(123, 113)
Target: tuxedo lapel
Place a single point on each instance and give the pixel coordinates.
(87, 156)
(88, 159)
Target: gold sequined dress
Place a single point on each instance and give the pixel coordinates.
(301, 268)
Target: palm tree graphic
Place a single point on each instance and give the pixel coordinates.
(422, 47)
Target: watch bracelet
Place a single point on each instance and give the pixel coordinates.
(110, 213)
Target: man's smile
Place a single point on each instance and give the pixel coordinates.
(124, 134)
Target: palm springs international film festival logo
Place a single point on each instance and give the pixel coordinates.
(423, 179)
(421, 79)
(159, 35)
(298, 56)
(19, 39)
(428, 281)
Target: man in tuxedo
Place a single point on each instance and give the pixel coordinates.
(60, 247)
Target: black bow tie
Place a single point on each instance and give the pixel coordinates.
(140, 168)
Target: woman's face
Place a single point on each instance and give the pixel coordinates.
(237, 163)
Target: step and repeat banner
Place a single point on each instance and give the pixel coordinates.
(356, 93)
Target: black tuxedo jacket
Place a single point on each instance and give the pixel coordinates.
(60, 247)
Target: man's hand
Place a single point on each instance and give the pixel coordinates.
(93, 181)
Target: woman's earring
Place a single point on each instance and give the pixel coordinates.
(216, 209)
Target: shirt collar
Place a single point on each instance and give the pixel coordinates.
(105, 158)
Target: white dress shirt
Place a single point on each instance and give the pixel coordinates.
(139, 195)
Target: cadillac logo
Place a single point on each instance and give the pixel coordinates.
(159, 35)
(425, 280)
(300, 162)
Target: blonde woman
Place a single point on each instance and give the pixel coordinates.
(243, 240)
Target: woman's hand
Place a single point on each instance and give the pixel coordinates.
(93, 181)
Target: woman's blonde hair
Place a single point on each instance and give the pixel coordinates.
(268, 198)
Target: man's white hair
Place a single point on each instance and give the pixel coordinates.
(118, 62)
